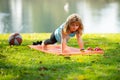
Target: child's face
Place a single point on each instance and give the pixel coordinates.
(74, 26)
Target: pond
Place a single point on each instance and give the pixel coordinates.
(41, 16)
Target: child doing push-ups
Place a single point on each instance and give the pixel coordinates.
(71, 27)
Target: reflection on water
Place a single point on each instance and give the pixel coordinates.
(29, 16)
(16, 14)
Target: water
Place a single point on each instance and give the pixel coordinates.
(38, 16)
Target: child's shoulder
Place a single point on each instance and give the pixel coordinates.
(62, 25)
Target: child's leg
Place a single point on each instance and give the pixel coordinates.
(52, 40)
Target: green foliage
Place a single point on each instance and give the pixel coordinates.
(23, 63)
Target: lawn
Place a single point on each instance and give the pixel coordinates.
(23, 63)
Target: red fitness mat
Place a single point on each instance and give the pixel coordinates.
(56, 49)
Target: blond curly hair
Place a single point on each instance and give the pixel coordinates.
(72, 19)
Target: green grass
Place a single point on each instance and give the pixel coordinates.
(23, 63)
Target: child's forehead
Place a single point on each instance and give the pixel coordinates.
(76, 22)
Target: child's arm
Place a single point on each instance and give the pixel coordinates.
(80, 42)
(64, 43)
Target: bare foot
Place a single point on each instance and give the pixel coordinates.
(44, 47)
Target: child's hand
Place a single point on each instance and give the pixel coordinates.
(66, 50)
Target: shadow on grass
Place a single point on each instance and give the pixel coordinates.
(43, 72)
(60, 71)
